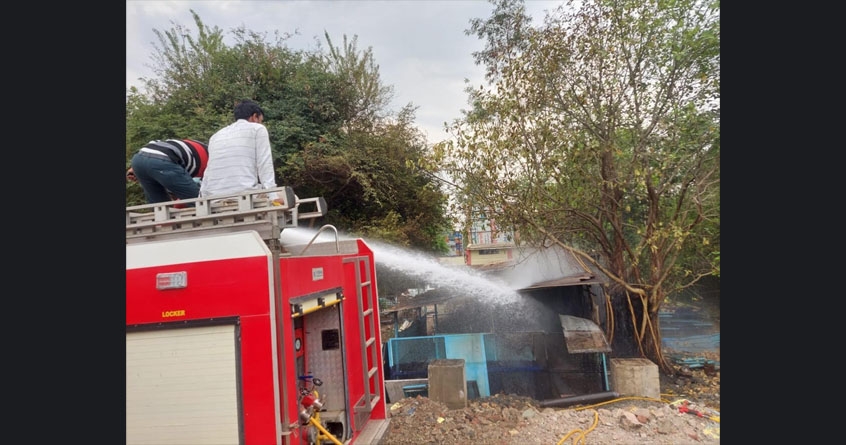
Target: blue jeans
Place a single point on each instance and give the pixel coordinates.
(159, 175)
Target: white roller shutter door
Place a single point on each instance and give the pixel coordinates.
(181, 387)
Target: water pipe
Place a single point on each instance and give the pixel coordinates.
(576, 400)
(327, 226)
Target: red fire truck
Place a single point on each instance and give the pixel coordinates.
(226, 326)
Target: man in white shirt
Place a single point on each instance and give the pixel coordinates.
(239, 156)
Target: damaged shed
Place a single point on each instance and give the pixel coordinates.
(547, 344)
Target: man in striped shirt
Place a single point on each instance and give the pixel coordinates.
(239, 156)
(166, 169)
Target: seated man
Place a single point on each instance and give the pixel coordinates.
(240, 156)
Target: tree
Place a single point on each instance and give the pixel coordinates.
(365, 167)
(599, 133)
(330, 132)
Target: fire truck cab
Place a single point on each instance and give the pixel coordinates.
(225, 325)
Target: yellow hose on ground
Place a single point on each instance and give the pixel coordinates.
(581, 435)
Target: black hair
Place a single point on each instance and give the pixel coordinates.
(246, 108)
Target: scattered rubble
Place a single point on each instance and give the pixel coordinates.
(688, 413)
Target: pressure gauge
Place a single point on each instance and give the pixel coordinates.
(298, 344)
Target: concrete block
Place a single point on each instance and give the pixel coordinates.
(448, 382)
(635, 377)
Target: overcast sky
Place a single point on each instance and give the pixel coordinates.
(419, 45)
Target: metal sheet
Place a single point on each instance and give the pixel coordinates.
(428, 298)
(579, 280)
(582, 335)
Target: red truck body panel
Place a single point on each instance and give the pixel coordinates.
(230, 279)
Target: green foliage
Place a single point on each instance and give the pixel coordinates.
(360, 75)
(599, 130)
(325, 113)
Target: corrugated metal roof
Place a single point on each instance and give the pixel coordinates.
(553, 267)
(578, 280)
(428, 298)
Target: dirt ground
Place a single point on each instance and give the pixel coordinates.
(510, 419)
